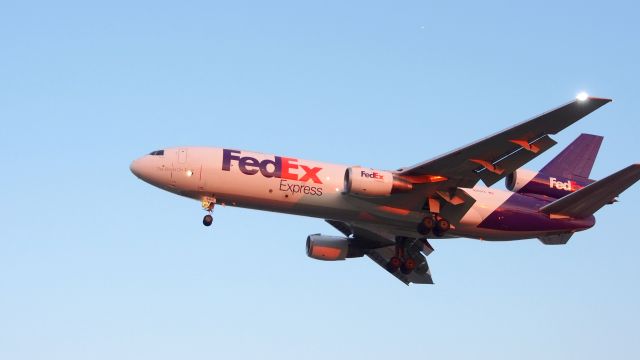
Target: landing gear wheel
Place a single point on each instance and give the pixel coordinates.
(425, 226)
(207, 204)
(443, 225)
(408, 266)
(394, 264)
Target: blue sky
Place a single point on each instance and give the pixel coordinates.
(95, 264)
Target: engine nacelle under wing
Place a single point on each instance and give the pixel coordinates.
(331, 248)
(373, 183)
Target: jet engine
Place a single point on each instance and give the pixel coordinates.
(539, 183)
(331, 248)
(518, 179)
(373, 183)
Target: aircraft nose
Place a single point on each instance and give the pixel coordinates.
(135, 167)
(142, 168)
(151, 169)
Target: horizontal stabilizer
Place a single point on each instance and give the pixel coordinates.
(592, 197)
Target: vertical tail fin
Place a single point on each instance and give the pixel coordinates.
(566, 173)
(576, 160)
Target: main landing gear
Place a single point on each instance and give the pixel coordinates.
(400, 261)
(435, 223)
(207, 204)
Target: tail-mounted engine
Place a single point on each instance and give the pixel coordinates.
(369, 182)
(530, 182)
(330, 248)
(518, 179)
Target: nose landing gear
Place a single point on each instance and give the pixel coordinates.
(207, 204)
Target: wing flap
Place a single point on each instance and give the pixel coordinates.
(454, 212)
(591, 198)
(525, 153)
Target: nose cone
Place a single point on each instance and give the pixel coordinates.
(151, 169)
(136, 168)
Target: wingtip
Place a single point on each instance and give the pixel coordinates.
(584, 97)
(633, 168)
(599, 99)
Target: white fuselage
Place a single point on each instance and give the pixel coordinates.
(301, 187)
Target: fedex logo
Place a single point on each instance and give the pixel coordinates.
(279, 167)
(562, 185)
(371, 175)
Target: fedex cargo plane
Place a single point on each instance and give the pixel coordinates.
(390, 215)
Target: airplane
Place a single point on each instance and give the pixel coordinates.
(390, 215)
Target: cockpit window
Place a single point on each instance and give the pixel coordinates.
(157, 152)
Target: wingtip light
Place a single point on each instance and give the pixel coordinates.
(582, 96)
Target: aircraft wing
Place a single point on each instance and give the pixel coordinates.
(421, 275)
(379, 245)
(494, 157)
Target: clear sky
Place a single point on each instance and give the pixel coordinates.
(95, 264)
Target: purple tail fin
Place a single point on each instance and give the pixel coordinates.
(566, 173)
(576, 160)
